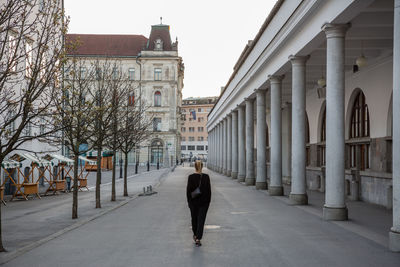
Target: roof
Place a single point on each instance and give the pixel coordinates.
(160, 31)
(105, 44)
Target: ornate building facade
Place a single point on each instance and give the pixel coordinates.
(156, 71)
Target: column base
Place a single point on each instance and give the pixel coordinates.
(275, 190)
(298, 199)
(261, 185)
(234, 175)
(335, 214)
(250, 181)
(241, 178)
(394, 241)
(224, 171)
(228, 173)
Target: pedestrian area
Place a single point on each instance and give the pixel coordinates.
(244, 227)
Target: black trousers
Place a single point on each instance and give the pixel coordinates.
(199, 214)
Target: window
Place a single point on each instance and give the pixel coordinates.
(200, 138)
(191, 138)
(183, 129)
(28, 129)
(115, 73)
(191, 148)
(82, 71)
(183, 147)
(42, 126)
(359, 128)
(131, 99)
(12, 47)
(41, 5)
(131, 73)
(157, 74)
(191, 129)
(199, 110)
(29, 59)
(183, 110)
(98, 74)
(359, 117)
(157, 124)
(183, 138)
(200, 119)
(200, 148)
(200, 129)
(157, 99)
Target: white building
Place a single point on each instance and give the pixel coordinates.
(314, 102)
(157, 72)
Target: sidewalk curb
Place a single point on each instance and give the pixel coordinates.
(16, 253)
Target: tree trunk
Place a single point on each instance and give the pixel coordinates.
(98, 179)
(126, 175)
(2, 249)
(75, 194)
(113, 177)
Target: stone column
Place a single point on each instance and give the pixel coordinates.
(234, 144)
(261, 180)
(221, 147)
(335, 206)
(229, 146)
(394, 234)
(241, 145)
(250, 175)
(210, 150)
(298, 194)
(223, 123)
(217, 155)
(226, 146)
(275, 188)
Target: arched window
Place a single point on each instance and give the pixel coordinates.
(157, 99)
(359, 128)
(359, 117)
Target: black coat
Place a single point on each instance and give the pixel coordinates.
(205, 189)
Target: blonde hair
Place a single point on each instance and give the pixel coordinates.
(198, 165)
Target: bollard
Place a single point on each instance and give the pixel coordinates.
(151, 189)
(144, 190)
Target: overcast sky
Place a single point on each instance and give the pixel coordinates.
(211, 34)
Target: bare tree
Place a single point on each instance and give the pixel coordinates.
(30, 57)
(76, 113)
(103, 95)
(135, 127)
(120, 86)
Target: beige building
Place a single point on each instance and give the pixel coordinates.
(194, 132)
(156, 71)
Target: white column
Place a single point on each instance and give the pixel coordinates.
(241, 145)
(210, 150)
(275, 188)
(250, 175)
(298, 194)
(261, 179)
(217, 154)
(223, 123)
(229, 148)
(221, 147)
(226, 146)
(234, 144)
(335, 206)
(394, 234)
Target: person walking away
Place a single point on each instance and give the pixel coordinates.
(198, 193)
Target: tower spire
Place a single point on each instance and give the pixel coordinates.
(160, 20)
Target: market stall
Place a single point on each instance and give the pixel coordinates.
(64, 167)
(9, 167)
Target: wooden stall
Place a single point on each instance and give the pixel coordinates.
(9, 167)
(65, 167)
(106, 160)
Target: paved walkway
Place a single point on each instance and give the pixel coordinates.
(26, 222)
(245, 227)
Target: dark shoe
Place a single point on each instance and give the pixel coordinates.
(198, 243)
(194, 238)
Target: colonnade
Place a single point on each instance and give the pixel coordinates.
(232, 138)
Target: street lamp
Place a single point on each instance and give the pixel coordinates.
(158, 155)
(120, 164)
(137, 160)
(148, 158)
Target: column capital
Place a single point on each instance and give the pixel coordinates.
(298, 60)
(260, 89)
(335, 30)
(275, 78)
(248, 99)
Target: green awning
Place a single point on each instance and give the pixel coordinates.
(36, 160)
(10, 164)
